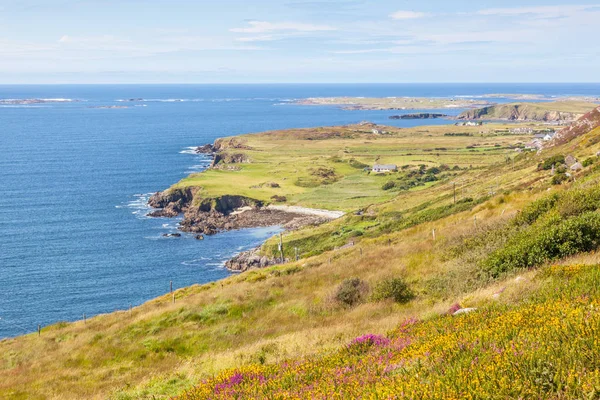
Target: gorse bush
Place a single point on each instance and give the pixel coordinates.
(392, 289)
(548, 229)
(351, 292)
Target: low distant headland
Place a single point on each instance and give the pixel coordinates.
(419, 116)
(393, 103)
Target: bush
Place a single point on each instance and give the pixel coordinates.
(587, 162)
(392, 289)
(552, 161)
(559, 179)
(389, 185)
(547, 240)
(354, 163)
(351, 292)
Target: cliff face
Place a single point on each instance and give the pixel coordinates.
(519, 112)
(171, 202)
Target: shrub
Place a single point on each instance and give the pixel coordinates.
(559, 179)
(354, 163)
(392, 289)
(552, 161)
(587, 162)
(535, 210)
(388, 185)
(351, 292)
(544, 241)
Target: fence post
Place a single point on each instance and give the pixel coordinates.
(39, 329)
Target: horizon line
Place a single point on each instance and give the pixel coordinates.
(303, 83)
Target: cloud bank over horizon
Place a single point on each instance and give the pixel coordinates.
(155, 41)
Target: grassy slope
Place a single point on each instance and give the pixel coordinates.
(281, 312)
(545, 345)
(531, 111)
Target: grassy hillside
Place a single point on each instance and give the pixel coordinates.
(547, 111)
(544, 346)
(324, 167)
(311, 309)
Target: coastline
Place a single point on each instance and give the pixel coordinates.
(232, 212)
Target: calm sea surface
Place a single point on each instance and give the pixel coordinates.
(74, 180)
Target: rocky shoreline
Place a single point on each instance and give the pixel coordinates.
(209, 216)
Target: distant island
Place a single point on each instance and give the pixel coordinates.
(34, 101)
(419, 116)
(393, 103)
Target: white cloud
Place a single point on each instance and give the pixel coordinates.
(400, 15)
(266, 27)
(261, 38)
(543, 12)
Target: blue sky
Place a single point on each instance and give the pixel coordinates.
(197, 41)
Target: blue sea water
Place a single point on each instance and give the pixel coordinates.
(74, 180)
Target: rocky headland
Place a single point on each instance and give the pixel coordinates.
(540, 112)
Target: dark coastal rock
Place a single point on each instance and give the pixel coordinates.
(174, 235)
(248, 260)
(177, 198)
(279, 199)
(419, 116)
(199, 237)
(229, 158)
(206, 149)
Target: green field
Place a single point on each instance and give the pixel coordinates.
(290, 159)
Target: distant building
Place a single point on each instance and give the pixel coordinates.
(382, 168)
(522, 130)
(545, 136)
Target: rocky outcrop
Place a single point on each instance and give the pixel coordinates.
(585, 124)
(248, 260)
(227, 158)
(213, 221)
(206, 149)
(419, 116)
(171, 203)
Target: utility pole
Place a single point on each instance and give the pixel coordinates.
(281, 246)
(454, 183)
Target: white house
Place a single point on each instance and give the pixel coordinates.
(382, 168)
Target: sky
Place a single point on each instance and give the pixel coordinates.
(298, 41)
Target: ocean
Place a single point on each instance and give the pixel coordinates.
(75, 177)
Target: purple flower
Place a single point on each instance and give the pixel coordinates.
(229, 383)
(369, 340)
